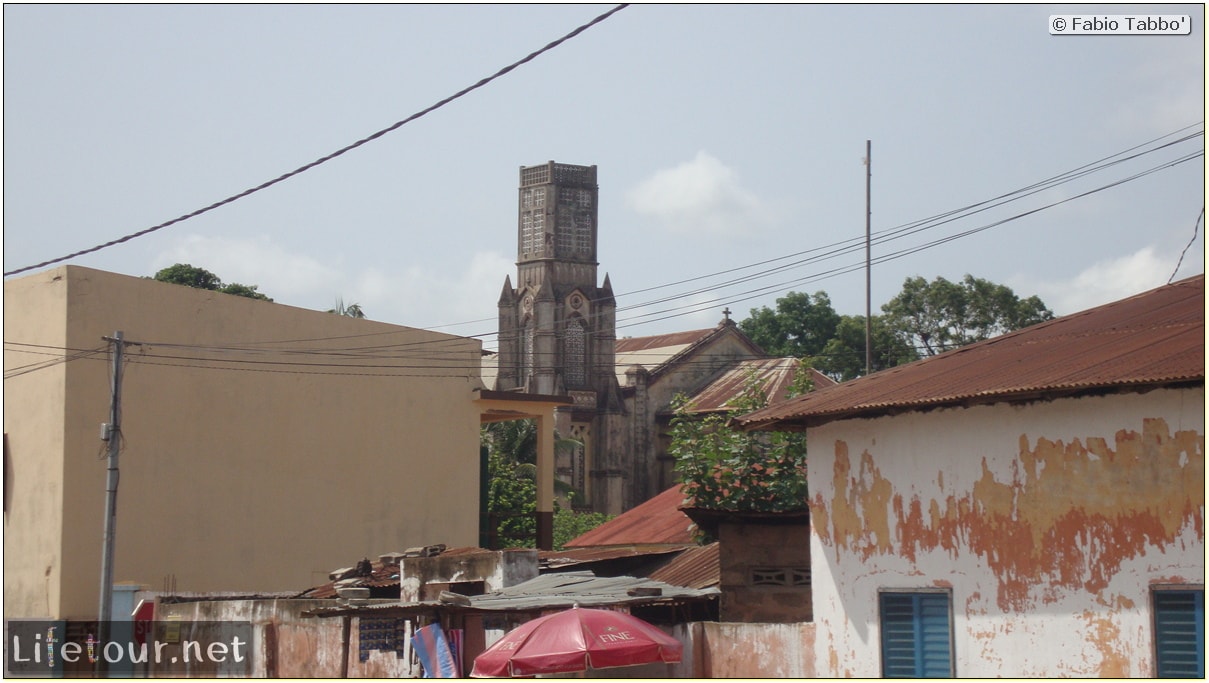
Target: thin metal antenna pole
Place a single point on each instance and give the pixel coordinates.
(868, 259)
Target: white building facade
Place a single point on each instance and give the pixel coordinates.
(1053, 538)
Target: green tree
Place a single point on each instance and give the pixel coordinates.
(801, 325)
(941, 315)
(725, 469)
(843, 358)
(512, 479)
(200, 278)
(248, 291)
(569, 524)
(511, 501)
(189, 276)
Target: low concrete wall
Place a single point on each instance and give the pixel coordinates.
(289, 645)
(733, 650)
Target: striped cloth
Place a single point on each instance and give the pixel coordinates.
(434, 652)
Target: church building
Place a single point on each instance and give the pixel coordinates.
(557, 335)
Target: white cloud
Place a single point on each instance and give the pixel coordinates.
(422, 295)
(284, 276)
(426, 296)
(700, 196)
(1105, 282)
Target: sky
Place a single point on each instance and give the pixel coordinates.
(730, 142)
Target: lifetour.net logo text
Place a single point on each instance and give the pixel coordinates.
(46, 648)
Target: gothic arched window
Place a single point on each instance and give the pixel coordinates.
(575, 352)
(527, 353)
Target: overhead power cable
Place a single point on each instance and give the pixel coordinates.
(814, 277)
(57, 355)
(856, 244)
(1195, 230)
(435, 349)
(434, 353)
(286, 176)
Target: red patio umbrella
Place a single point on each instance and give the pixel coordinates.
(576, 640)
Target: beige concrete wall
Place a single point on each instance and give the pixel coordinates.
(34, 404)
(1049, 523)
(242, 469)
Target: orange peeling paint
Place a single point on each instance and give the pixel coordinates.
(1071, 514)
(1104, 637)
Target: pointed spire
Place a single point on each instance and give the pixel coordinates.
(605, 295)
(507, 296)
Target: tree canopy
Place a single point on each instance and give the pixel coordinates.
(200, 278)
(925, 318)
(801, 325)
(940, 315)
(844, 355)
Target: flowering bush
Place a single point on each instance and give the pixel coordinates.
(721, 468)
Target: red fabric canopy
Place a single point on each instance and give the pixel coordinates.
(576, 640)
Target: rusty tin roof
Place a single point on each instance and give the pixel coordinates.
(382, 576)
(658, 521)
(1150, 340)
(696, 567)
(570, 557)
(774, 375)
(659, 341)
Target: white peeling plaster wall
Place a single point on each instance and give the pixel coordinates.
(939, 458)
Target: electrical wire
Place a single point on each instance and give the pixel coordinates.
(1195, 229)
(302, 169)
(856, 244)
(437, 351)
(58, 357)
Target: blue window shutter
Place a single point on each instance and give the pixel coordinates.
(916, 636)
(1179, 633)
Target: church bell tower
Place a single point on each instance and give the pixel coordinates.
(557, 331)
(557, 327)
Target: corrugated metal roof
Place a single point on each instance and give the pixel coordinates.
(548, 592)
(696, 567)
(564, 589)
(660, 341)
(774, 375)
(383, 576)
(656, 354)
(650, 360)
(556, 559)
(655, 522)
(1153, 339)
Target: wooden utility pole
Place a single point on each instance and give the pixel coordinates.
(868, 259)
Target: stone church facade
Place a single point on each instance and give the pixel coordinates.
(557, 335)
